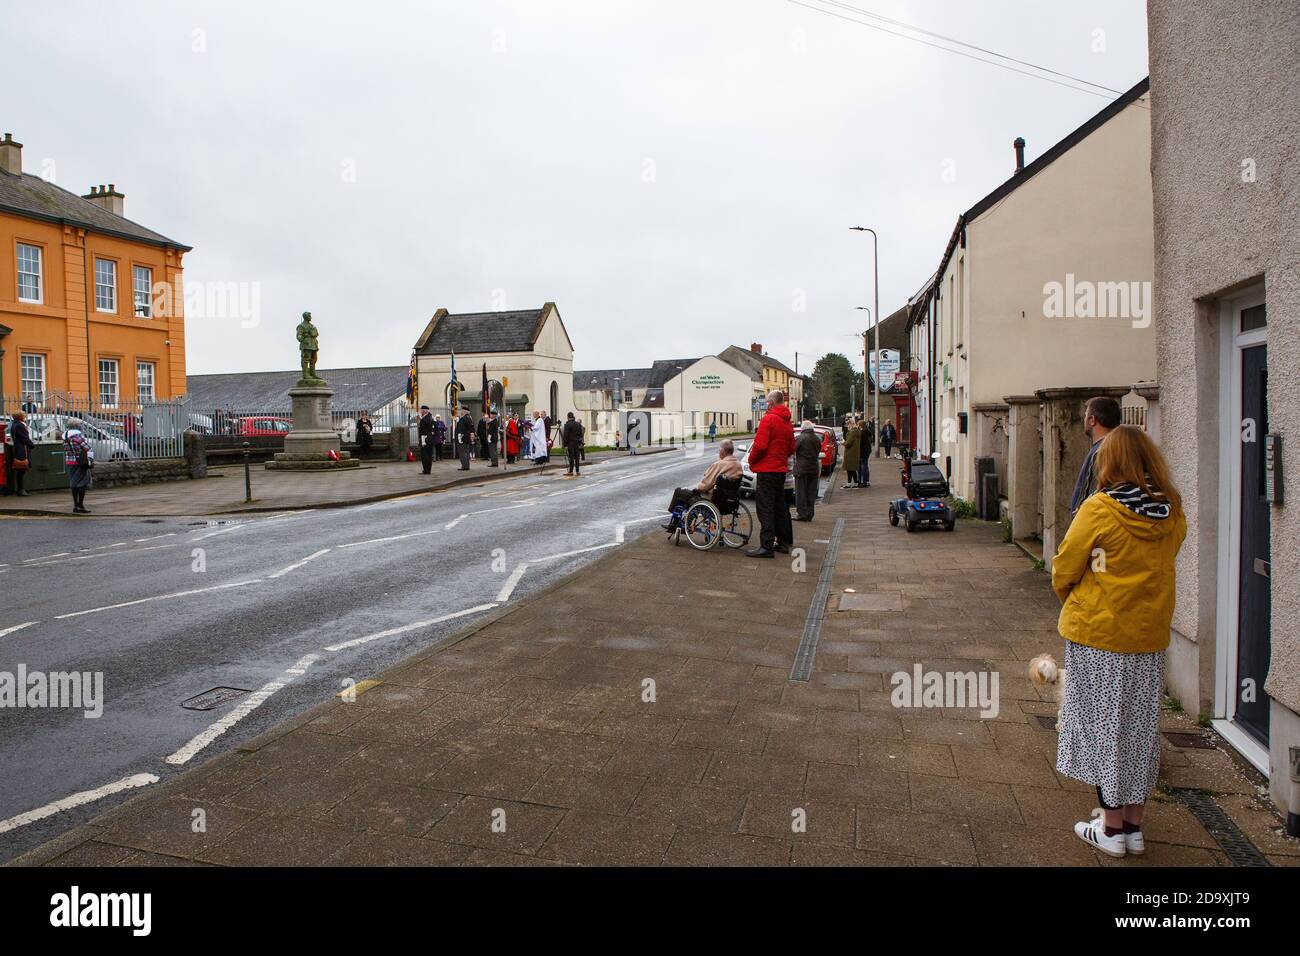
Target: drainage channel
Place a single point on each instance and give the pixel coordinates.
(1235, 844)
(812, 626)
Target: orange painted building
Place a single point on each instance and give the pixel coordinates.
(91, 303)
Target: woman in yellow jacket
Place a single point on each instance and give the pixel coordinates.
(1114, 573)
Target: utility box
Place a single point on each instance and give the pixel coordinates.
(46, 472)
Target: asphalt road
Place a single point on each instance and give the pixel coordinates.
(167, 609)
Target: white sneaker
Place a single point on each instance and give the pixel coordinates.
(1135, 844)
(1093, 832)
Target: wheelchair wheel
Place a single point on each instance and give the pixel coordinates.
(737, 527)
(703, 525)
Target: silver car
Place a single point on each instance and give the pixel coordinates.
(107, 446)
(747, 476)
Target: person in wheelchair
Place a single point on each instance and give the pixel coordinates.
(726, 467)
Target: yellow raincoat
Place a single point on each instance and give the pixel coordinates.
(1114, 573)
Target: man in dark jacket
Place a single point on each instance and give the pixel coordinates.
(493, 438)
(769, 460)
(464, 439)
(439, 436)
(1101, 416)
(572, 433)
(425, 431)
(807, 469)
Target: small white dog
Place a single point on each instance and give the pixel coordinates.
(1044, 671)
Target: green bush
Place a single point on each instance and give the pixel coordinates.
(1007, 536)
(963, 508)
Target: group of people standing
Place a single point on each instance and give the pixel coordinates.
(526, 439)
(78, 458)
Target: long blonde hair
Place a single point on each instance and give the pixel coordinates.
(1128, 456)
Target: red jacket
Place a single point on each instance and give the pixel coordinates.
(774, 443)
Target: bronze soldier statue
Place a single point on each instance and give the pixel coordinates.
(308, 344)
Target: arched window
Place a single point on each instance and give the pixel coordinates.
(555, 401)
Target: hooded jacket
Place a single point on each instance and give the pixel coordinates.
(808, 453)
(1114, 573)
(773, 442)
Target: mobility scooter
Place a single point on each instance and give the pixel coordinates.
(922, 503)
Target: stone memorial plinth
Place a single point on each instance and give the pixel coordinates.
(308, 446)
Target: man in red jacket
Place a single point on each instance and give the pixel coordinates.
(769, 460)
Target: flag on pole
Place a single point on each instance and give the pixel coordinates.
(412, 385)
(487, 392)
(453, 390)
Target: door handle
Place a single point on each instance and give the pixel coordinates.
(1262, 567)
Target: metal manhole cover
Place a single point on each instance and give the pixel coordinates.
(1188, 740)
(214, 698)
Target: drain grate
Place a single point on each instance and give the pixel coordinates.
(812, 627)
(1240, 851)
(1188, 741)
(1044, 721)
(214, 698)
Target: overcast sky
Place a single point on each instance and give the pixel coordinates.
(677, 175)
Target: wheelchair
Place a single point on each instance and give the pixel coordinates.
(719, 518)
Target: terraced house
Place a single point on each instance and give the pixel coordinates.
(91, 303)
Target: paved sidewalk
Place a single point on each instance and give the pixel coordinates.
(532, 740)
(222, 492)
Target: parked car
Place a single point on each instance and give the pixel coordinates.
(202, 424)
(747, 476)
(262, 426)
(107, 446)
(830, 448)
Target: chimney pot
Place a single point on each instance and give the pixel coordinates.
(11, 155)
(1019, 144)
(107, 197)
(756, 347)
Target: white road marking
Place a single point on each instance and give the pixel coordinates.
(17, 627)
(297, 564)
(569, 554)
(506, 589)
(169, 534)
(455, 521)
(77, 800)
(391, 537)
(358, 641)
(50, 562)
(158, 597)
(245, 707)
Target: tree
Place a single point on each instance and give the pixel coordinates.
(832, 378)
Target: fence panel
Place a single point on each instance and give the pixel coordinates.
(120, 431)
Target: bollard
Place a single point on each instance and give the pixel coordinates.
(248, 478)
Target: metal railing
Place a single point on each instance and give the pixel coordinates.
(118, 431)
(233, 421)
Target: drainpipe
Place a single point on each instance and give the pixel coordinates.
(85, 277)
(1293, 805)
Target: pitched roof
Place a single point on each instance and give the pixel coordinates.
(604, 377)
(355, 389)
(34, 197)
(751, 362)
(662, 370)
(515, 331)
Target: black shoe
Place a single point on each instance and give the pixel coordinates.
(669, 526)
(760, 553)
(782, 549)
(803, 519)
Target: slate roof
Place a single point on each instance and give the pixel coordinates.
(751, 362)
(32, 196)
(355, 389)
(627, 378)
(664, 369)
(468, 332)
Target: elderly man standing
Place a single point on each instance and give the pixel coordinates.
(807, 469)
(727, 466)
(769, 460)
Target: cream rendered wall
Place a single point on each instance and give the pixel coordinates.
(1088, 214)
(733, 396)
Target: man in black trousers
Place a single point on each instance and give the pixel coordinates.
(572, 435)
(464, 439)
(426, 439)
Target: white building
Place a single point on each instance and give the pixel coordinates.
(528, 355)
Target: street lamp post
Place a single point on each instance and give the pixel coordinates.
(866, 372)
(875, 257)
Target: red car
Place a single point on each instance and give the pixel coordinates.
(830, 448)
(262, 426)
